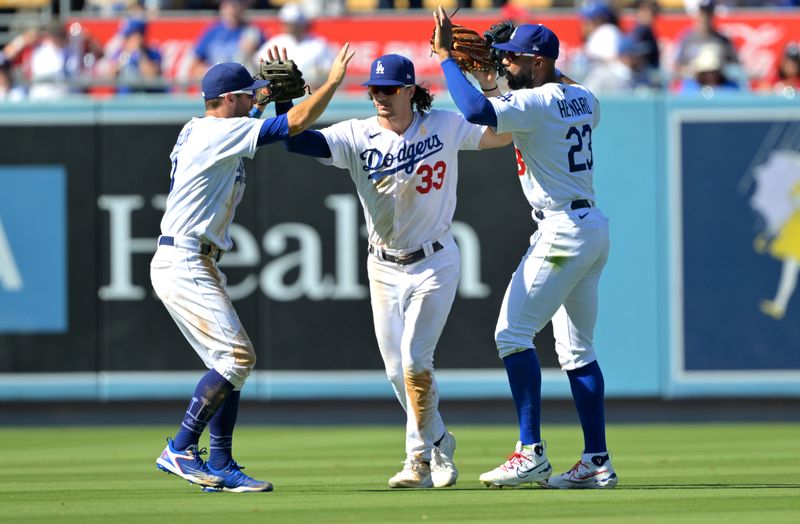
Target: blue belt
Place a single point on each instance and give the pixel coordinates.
(208, 250)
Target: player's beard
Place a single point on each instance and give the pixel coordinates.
(521, 80)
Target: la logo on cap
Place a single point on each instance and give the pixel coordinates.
(379, 68)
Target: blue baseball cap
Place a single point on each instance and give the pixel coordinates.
(533, 39)
(391, 70)
(227, 77)
(593, 11)
(133, 25)
(707, 5)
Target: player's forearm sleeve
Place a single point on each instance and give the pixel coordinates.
(475, 107)
(273, 129)
(310, 142)
(281, 108)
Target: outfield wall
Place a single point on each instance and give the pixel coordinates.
(83, 187)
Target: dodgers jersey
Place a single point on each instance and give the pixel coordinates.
(208, 177)
(552, 129)
(406, 183)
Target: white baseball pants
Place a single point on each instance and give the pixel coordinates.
(557, 278)
(410, 305)
(192, 288)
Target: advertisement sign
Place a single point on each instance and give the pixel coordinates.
(33, 249)
(297, 273)
(740, 241)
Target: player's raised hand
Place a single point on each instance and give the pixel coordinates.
(443, 33)
(486, 79)
(339, 67)
(274, 54)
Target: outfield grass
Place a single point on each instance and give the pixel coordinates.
(731, 473)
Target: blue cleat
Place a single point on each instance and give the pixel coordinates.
(234, 481)
(187, 464)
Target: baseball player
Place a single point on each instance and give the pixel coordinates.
(404, 164)
(207, 183)
(551, 119)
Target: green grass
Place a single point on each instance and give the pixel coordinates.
(715, 473)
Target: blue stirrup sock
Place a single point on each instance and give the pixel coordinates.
(588, 390)
(525, 378)
(210, 393)
(220, 430)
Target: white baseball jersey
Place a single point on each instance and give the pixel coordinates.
(407, 187)
(207, 184)
(406, 183)
(558, 277)
(552, 129)
(208, 177)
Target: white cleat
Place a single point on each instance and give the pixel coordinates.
(528, 464)
(188, 465)
(415, 474)
(443, 471)
(592, 471)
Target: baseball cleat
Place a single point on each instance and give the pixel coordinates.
(593, 471)
(443, 471)
(234, 481)
(415, 474)
(528, 464)
(187, 464)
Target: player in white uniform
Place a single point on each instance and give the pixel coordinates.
(207, 183)
(551, 119)
(404, 164)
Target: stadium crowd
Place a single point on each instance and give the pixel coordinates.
(41, 63)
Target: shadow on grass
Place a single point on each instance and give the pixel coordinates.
(710, 486)
(622, 487)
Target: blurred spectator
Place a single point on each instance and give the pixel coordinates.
(47, 60)
(110, 7)
(516, 14)
(630, 71)
(9, 91)
(230, 39)
(13, 51)
(789, 68)
(601, 33)
(310, 52)
(643, 34)
(702, 33)
(601, 40)
(315, 8)
(787, 79)
(708, 73)
(135, 65)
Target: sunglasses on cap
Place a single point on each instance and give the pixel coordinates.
(515, 54)
(386, 90)
(240, 92)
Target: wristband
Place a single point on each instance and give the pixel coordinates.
(255, 112)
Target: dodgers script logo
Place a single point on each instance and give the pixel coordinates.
(379, 164)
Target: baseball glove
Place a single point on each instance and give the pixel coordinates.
(470, 50)
(286, 81)
(497, 34)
